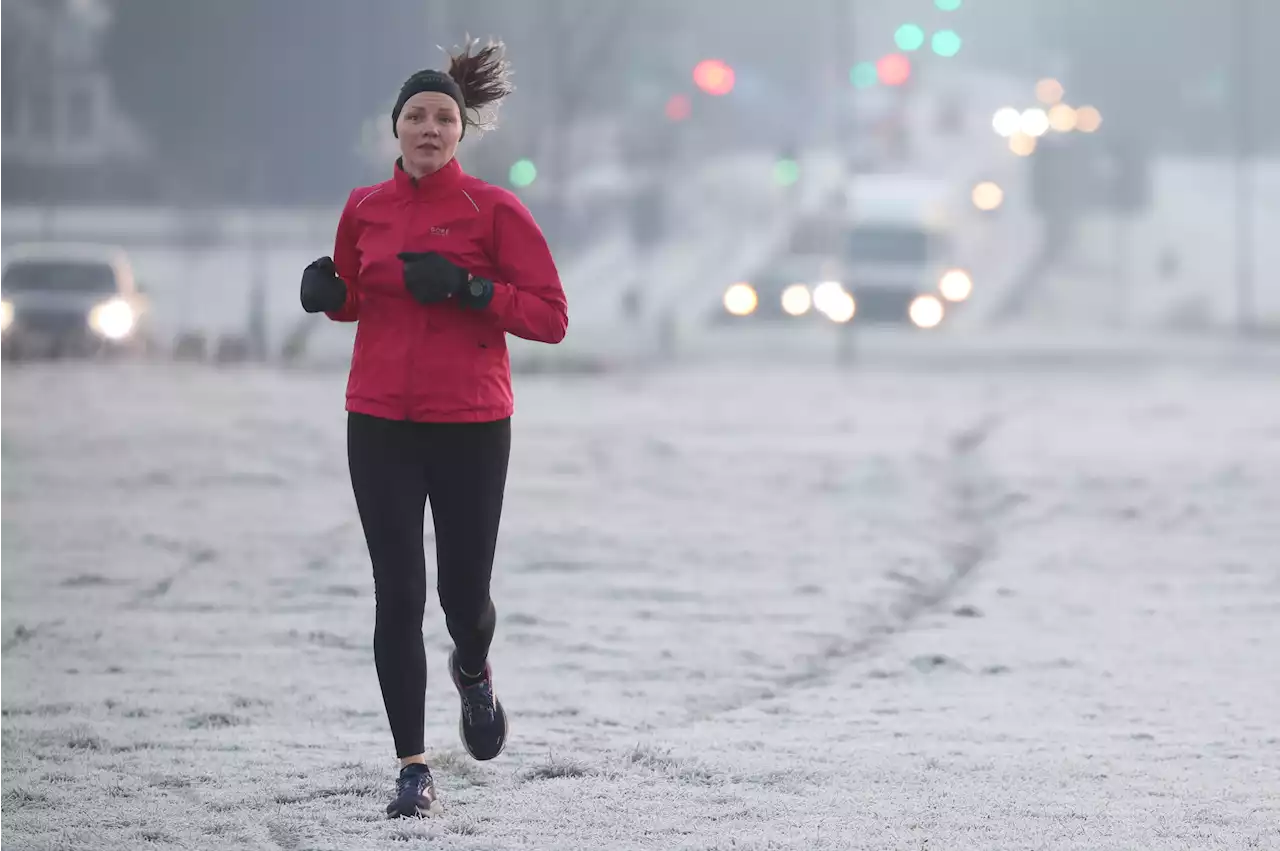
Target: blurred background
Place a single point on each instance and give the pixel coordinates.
(908, 476)
(955, 167)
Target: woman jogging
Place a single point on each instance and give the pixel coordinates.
(436, 267)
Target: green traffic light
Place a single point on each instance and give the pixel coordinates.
(909, 37)
(523, 173)
(786, 172)
(946, 43)
(863, 75)
(947, 5)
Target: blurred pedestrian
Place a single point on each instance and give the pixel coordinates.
(436, 267)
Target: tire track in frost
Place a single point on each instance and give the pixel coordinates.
(21, 635)
(193, 555)
(974, 500)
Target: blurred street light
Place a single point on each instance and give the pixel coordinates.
(1006, 121)
(1062, 118)
(1088, 119)
(988, 196)
(1049, 91)
(1034, 122)
(947, 5)
(1022, 144)
(714, 77)
(956, 285)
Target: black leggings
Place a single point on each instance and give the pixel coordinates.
(396, 466)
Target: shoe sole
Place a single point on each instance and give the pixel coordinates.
(430, 811)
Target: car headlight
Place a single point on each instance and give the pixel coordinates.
(955, 285)
(796, 300)
(832, 300)
(6, 315)
(827, 295)
(841, 308)
(741, 300)
(926, 311)
(113, 319)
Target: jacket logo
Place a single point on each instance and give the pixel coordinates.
(439, 231)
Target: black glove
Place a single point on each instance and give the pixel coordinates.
(322, 289)
(430, 278)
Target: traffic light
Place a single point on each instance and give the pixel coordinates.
(894, 69)
(909, 37)
(946, 43)
(863, 75)
(714, 77)
(1088, 119)
(947, 5)
(523, 173)
(786, 172)
(679, 107)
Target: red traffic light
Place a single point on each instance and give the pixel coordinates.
(894, 69)
(713, 77)
(679, 107)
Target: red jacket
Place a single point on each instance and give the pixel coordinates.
(441, 362)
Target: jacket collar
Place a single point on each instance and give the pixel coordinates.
(432, 185)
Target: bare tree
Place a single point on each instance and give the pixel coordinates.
(587, 46)
(579, 35)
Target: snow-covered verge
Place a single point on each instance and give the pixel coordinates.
(793, 608)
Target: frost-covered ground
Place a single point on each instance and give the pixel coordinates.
(801, 608)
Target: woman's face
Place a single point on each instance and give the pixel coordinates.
(429, 128)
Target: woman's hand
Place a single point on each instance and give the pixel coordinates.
(322, 289)
(430, 278)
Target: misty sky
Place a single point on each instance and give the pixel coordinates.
(227, 92)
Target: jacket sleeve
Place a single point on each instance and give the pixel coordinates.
(346, 259)
(527, 296)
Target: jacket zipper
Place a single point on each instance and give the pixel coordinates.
(408, 374)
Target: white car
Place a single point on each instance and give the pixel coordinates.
(894, 271)
(899, 250)
(70, 299)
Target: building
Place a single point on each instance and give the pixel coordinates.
(64, 134)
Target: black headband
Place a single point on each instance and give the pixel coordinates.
(429, 81)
